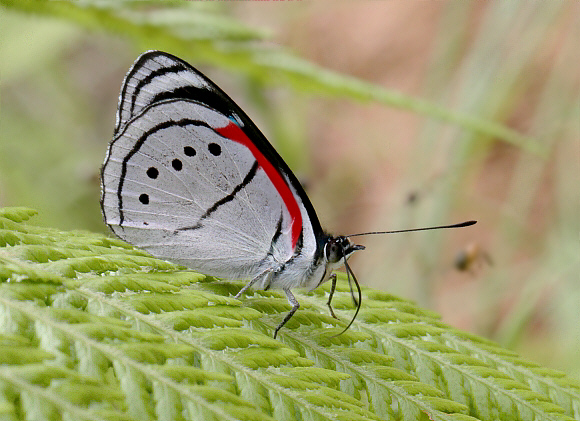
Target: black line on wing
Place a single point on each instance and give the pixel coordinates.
(318, 254)
(204, 95)
(137, 66)
(247, 180)
(297, 252)
(277, 235)
(120, 108)
(176, 68)
(270, 253)
(166, 124)
(299, 245)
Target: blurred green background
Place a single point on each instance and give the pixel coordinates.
(387, 162)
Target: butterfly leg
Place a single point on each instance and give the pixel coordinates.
(295, 305)
(332, 289)
(252, 282)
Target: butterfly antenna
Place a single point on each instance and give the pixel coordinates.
(354, 300)
(348, 273)
(460, 225)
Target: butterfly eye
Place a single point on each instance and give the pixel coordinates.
(333, 251)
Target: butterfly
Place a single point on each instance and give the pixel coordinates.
(190, 178)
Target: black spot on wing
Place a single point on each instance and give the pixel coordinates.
(214, 149)
(152, 172)
(177, 164)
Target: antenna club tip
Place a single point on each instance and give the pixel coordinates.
(459, 225)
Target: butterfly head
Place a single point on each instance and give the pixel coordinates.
(338, 248)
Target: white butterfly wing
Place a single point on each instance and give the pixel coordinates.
(191, 179)
(176, 188)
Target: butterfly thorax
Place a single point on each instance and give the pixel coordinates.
(313, 270)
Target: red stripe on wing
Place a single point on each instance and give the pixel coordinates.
(233, 132)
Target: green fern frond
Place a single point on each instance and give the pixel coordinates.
(17, 214)
(91, 328)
